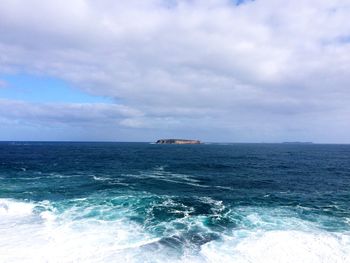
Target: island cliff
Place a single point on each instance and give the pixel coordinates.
(177, 141)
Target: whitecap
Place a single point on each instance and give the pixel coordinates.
(280, 247)
(75, 231)
(51, 236)
(9, 207)
(159, 173)
(98, 178)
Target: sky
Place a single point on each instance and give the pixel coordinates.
(215, 70)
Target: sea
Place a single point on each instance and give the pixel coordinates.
(143, 202)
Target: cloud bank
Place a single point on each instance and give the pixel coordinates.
(263, 70)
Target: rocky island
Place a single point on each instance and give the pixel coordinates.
(177, 141)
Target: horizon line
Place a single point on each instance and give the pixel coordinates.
(202, 142)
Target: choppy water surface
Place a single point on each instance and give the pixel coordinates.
(139, 202)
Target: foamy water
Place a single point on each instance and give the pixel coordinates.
(37, 232)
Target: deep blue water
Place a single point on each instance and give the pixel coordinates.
(141, 202)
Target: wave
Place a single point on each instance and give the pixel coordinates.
(12, 208)
(159, 173)
(282, 247)
(99, 178)
(47, 234)
(147, 228)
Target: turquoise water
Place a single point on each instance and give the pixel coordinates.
(140, 202)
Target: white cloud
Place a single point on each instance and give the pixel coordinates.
(275, 66)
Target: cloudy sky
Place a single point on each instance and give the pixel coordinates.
(215, 70)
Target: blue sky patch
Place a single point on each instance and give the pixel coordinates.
(33, 88)
(240, 2)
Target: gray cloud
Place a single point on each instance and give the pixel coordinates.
(66, 113)
(261, 71)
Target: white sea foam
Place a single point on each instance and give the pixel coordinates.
(11, 208)
(50, 237)
(347, 220)
(160, 174)
(280, 247)
(40, 232)
(99, 178)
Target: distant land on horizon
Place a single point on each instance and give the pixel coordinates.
(177, 141)
(296, 142)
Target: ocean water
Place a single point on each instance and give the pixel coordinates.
(140, 202)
